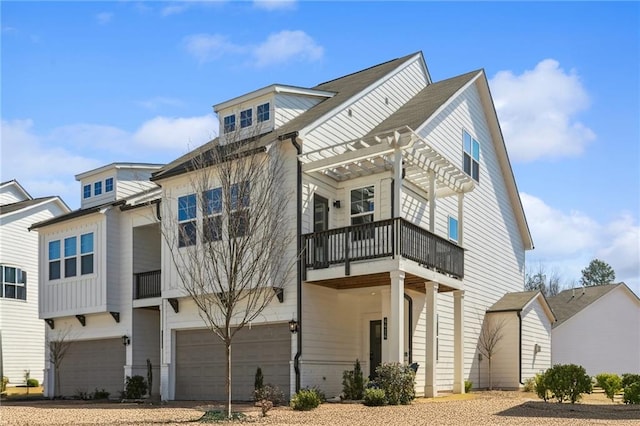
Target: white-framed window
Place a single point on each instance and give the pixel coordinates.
(263, 112)
(54, 260)
(86, 191)
(453, 229)
(212, 215)
(187, 220)
(70, 257)
(69, 267)
(240, 198)
(108, 185)
(86, 253)
(14, 283)
(229, 123)
(246, 118)
(471, 156)
(362, 208)
(97, 188)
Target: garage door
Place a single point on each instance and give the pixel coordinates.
(93, 364)
(200, 362)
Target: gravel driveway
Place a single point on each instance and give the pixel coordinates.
(481, 408)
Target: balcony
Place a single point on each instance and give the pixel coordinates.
(147, 284)
(382, 239)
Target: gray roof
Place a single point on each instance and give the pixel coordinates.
(513, 301)
(13, 207)
(569, 302)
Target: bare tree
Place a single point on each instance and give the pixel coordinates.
(230, 238)
(58, 343)
(491, 334)
(540, 278)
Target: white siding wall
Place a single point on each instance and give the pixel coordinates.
(21, 330)
(288, 107)
(368, 109)
(505, 367)
(11, 194)
(536, 329)
(126, 182)
(604, 337)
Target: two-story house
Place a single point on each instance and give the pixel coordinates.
(405, 212)
(22, 333)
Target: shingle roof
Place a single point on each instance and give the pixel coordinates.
(344, 88)
(569, 302)
(10, 208)
(74, 214)
(515, 301)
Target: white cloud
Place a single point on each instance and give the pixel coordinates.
(537, 111)
(569, 241)
(176, 133)
(208, 47)
(104, 18)
(174, 9)
(160, 101)
(275, 4)
(285, 46)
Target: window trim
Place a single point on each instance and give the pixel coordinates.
(187, 224)
(54, 260)
(106, 184)
(86, 191)
(212, 214)
(451, 219)
(71, 258)
(231, 125)
(264, 115)
(97, 188)
(246, 118)
(19, 285)
(366, 234)
(86, 254)
(474, 163)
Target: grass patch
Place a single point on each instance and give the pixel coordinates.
(19, 393)
(216, 416)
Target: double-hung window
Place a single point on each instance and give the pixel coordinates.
(362, 206)
(453, 229)
(239, 217)
(54, 260)
(70, 257)
(97, 188)
(246, 118)
(187, 220)
(212, 220)
(229, 123)
(471, 156)
(108, 185)
(86, 191)
(86, 253)
(14, 283)
(262, 112)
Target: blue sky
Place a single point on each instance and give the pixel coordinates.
(88, 83)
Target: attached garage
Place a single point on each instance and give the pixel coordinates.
(200, 362)
(92, 364)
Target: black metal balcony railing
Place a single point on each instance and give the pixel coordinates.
(385, 238)
(147, 284)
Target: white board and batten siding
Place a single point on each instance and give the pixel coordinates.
(367, 110)
(22, 331)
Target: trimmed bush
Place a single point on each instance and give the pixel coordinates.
(632, 393)
(567, 382)
(374, 397)
(321, 396)
(270, 393)
(135, 387)
(32, 383)
(100, 394)
(353, 383)
(397, 381)
(610, 383)
(305, 400)
(541, 387)
(468, 385)
(529, 385)
(5, 380)
(628, 379)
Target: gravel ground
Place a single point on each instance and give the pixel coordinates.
(485, 408)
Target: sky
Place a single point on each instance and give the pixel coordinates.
(87, 83)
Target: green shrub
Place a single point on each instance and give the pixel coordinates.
(82, 394)
(305, 400)
(135, 387)
(321, 396)
(610, 383)
(353, 383)
(468, 385)
(628, 379)
(32, 383)
(100, 394)
(374, 397)
(529, 385)
(397, 381)
(632, 393)
(5, 380)
(567, 382)
(541, 387)
(270, 393)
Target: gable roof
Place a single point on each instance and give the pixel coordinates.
(16, 184)
(23, 205)
(519, 300)
(569, 302)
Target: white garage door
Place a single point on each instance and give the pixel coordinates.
(93, 364)
(200, 362)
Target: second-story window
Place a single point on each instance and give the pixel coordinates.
(108, 185)
(212, 215)
(97, 188)
(362, 207)
(86, 253)
(70, 260)
(86, 191)
(239, 218)
(262, 112)
(246, 118)
(453, 229)
(14, 283)
(471, 160)
(54, 260)
(229, 123)
(187, 220)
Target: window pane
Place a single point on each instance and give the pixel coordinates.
(86, 243)
(466, 139)
(239, 223)
(212, 201)
(108, 185)
(240, 191)
(362, 200)
(212, 228)
(246, 118)
(10, 291)
(187, 207)
(86, 264)
(86, 192)
(70, 267)
(453, 228)
(21, 293)
(476, 150)
(70, 248)
(54, 250)
(9, 274)
(467, 164)
(54, 270)
(97, 188)
(476, 172)
(263, 112)
(229, 123)
(187, 234)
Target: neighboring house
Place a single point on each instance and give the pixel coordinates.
(522, 321)
(409, 218)
(21, 331)
(598, 327)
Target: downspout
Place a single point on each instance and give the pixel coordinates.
(296, 360)
(410, 340)
(520, 347)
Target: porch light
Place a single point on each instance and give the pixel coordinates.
(293, 326)
(336, 204)
(126, 340)
(536, 348)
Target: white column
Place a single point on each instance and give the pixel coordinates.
(460, 218)
(430, 388)
(396, 322)
(458, 341)
(397, 182)
(385, 296)
(432, 201)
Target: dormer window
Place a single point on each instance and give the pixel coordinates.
(108, 185)
(86, 191)
(97, 188)
(246, 118)
(229, 123)
(263, 112)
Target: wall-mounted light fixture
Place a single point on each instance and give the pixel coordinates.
(336, 204)
(126, 340)
(293, 326)
(536, 348)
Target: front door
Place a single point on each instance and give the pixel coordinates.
(375, 347)
(320, 223)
